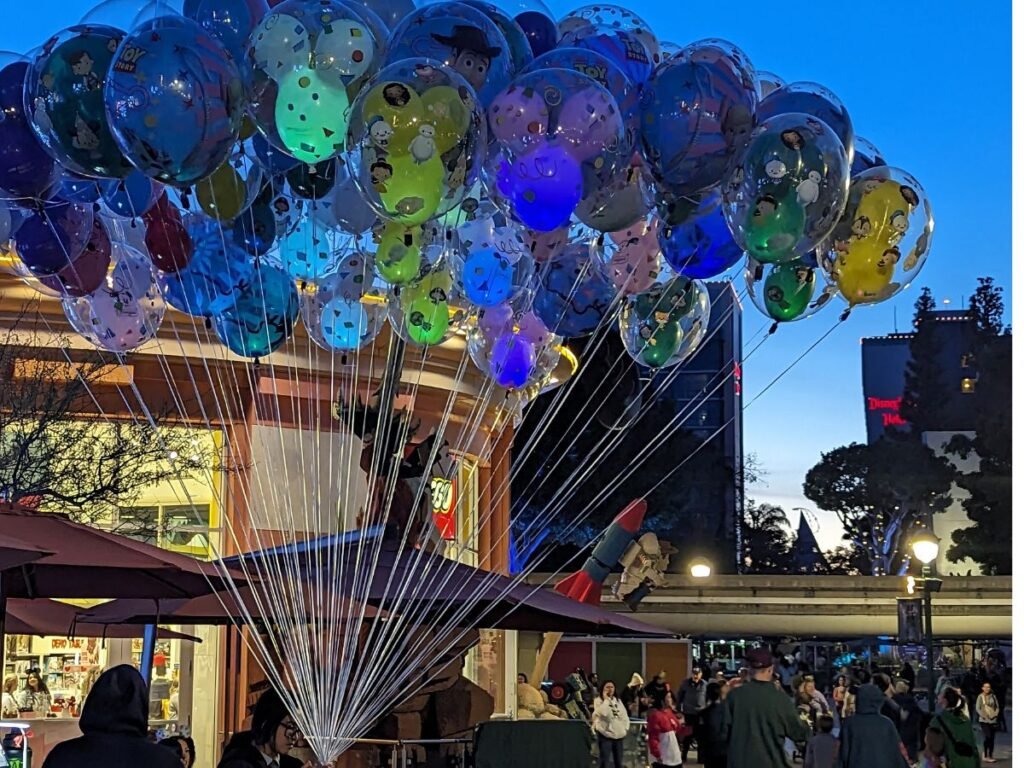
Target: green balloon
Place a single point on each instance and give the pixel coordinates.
(775, 225)
(311, 115)
(662, 344)
(670, 302)
(426, 320)
(788, 291)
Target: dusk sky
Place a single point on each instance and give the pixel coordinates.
(926, 82)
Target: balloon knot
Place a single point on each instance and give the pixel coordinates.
(774, 328)
(846, 314)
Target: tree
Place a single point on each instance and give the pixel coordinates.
(924, 396)
(57, 453)
(989, 505)
(767, 539)
(879, 491)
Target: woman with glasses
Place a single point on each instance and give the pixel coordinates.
(266, 745)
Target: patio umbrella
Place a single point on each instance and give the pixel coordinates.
(15, 552)
(48, 617)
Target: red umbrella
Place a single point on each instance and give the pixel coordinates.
(15, 552)
(48, 617)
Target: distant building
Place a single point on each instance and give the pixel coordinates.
(710, 385)
(807, 555)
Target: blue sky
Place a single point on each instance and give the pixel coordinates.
(927, 82)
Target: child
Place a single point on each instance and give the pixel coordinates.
(822, 748)
(934, 747)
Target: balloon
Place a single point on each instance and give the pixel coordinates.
(462, 39)
(543, 186)
(311, 252)
(518, 44)
(787, 292)
(230, 21)
(399, 253)
(64, 100)
(788, 190)
(312, 182)
(540, 30)
(696, 115)
(263, 314)
(767, 82)
(167, 241)
(129, 197)
(701, 245)
(26, 169)
(417, 139)
(518, 117)
(665, 326)
(421, 312)
(573, 294)
(814, 100)
(309, 62)
(126, 310)
(174, 100)
(77, 189)
(343, 311)
(512, 361)
(86, 273)
(272, 160)
(609, 17)
(344, 206)
(865, 156)
(256, 230)
(631, 257)
(51, 238)
(232, 188)
(214, 278)
(623, 201)
(493, 268)
(627, 48)
(881, 243)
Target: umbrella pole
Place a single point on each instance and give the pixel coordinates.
(3, 620)
(148, 652)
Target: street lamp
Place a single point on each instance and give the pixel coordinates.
(925, 546)
(700, 568)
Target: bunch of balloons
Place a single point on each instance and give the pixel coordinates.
(453, 168)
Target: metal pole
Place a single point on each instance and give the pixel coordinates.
(929, 639)
(148, 652)
(3, 620)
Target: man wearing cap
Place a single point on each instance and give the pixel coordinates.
(760, 717)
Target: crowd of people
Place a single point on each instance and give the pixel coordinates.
(774, 713)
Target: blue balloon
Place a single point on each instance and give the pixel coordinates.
(129, 197)
(512, 360)
(343, 323)
(543, 185)
(175, 100)
(814, 100)
(52, 237)
(619, 45)
(77, 189)
(540, 30)
(214, 277)
(26, 170)
(460, 37)
(518, 45)
(311, 251)
(701, 245)
(697, 112)
(230, 21)
(262, 316)
(256, 229)
(268, 157)
(574, 295)
(865, 156)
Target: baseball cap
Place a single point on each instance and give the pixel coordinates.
(760, 658)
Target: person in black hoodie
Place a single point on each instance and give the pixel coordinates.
(868, 739)
(268, 742)
(114, 727)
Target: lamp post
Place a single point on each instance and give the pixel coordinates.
(925, 547)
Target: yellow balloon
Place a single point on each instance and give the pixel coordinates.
(445, 110)
(883, 213)
(410, 189)
(223, 195)
(392, 113)
(864, 271)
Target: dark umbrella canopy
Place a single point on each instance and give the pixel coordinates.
(90, 563)
(48, 617)
(14, 552)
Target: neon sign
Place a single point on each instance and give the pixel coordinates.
(890, 409)
(442, 504)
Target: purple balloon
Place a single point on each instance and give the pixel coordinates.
(50, 239)
(544, 185)
(591, 119)
(518, 117)
(26, 170)
(85, 274)
(512, 360)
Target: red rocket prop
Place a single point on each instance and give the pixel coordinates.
(585, 585)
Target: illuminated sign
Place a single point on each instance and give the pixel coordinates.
(890, 410)
(442, 504)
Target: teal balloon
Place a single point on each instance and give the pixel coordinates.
(263, 315)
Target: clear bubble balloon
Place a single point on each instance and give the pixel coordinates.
(417, 140)
(215, 276)
(86, 273)
(788, 292)
(312, 251)
(631, 258)
(309, 61)
(52, 237)
(768, 82)
(665, 326)
(461, 38)
(814, 100)
(230, 21)
(881, 243)
(126, 310)
(573, 294)
(27, 171)
(615, 32)
(424, 312)
(518, 44)
(263, 314)
(789, 189)
(345, 311)
(701, 245)
(231, 189)
(865, 156)
(490, 262)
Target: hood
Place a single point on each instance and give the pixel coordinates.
(117, 703)
(636, 681)
(869, 700)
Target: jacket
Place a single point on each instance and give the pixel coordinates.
(693, 696)
(821, 751)
(716, 734)
(760, 718)
(868, 739)
(910, 722)
(987, 708)
(957, 728)
(662, 744)
(242, 753)
(611, 719)
(114, 726)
